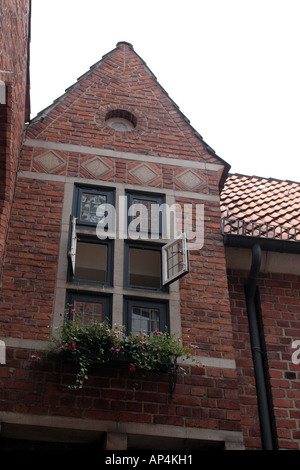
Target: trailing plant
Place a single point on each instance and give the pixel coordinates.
(87, 344)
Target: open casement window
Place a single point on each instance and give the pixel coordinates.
(73, 243)
(90, 258)
(175, 260)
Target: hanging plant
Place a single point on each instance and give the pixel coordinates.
(99, 343)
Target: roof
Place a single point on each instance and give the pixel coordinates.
(261, 207)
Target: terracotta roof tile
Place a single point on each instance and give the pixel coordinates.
(263, 201)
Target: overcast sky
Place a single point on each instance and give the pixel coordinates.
(232, 67)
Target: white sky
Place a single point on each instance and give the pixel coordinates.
(232, 66)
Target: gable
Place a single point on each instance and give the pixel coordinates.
(121, 83)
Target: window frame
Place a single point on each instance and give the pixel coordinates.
(162, 305)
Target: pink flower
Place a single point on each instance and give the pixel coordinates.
(37, 358)
(132, 369)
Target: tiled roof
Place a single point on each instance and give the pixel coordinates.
(264, 207)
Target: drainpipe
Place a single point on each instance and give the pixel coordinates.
(257, 352)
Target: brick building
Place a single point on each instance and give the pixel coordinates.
(116, 136)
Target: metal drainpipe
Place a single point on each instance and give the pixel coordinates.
(257, 353)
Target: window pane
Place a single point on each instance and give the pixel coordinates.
(89, 311)
(91, 261)
(149, 217)
(175, 260)
(144, 319)
(144, 268)
(89, 204)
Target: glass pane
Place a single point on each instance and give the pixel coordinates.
(144, 268)
(175, 259)
(149, 217)
(145, 320)
(91, 261)
(89, 204)
(89, 311)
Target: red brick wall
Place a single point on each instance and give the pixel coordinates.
(13, 45)
(203, 399)
(280, 301)
(29, 273)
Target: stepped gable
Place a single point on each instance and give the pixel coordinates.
(122, 83)
(261, 200)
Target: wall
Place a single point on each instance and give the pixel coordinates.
(14, 24)
(279, 294)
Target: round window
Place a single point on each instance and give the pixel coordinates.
(120, 120)
(120, 124)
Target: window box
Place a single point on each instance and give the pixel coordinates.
(98, 343)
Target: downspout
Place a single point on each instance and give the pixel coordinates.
(257, 352)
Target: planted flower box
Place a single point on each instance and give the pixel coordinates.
(99, 343)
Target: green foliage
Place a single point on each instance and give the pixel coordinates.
(100, 343)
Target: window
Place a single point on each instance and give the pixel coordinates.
(151, 266)
(91, 258)
(145, 215)
(120, 120)
(142, 266)
(175, 259)
(86, 202)
(89, 308)
(145, 316)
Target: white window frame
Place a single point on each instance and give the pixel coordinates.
(179, 244)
